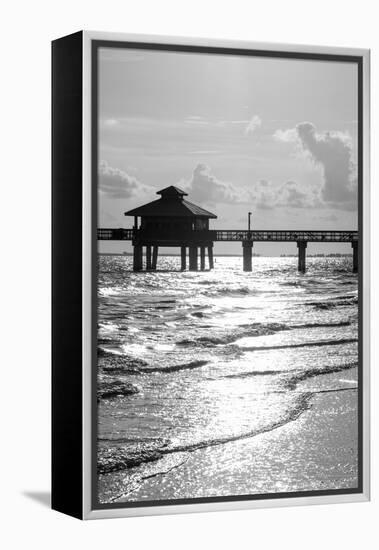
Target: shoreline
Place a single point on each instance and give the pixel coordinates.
(317, 451)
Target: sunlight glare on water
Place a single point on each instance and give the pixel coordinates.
(217, 361)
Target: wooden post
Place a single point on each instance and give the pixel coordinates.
(355, 257)
(202, 258)
(193, 258)
(210, 256)
(247, 247)
(302, 246)
(148, 257)
(137, 257)
(183, 252)
(155, 257)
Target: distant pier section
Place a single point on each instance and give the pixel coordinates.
(172, 221)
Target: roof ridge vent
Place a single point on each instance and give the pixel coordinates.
(172, 192)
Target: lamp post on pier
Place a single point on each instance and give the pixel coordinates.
(249, 214)
(247, 246)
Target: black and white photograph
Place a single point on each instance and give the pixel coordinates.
(228, 275)
(189, 275)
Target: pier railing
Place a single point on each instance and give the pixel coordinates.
(112, 234)
(286, 235)
(121, 234)
(204, 239)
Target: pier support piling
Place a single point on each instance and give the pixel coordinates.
(302, 247)
(354, 246)
(155, 258)
(183, 252)
(210, 256)
(202, 258)
(193, 258)
(148, 258)
(137, 257)
(247, 247)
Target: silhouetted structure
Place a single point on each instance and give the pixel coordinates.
(175, 222)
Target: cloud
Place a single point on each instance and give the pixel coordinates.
(287, 136)
(254, 123)
(204, 187)
(197, 120)
(250, 125)
(290, 194)
(232, 122)
(333, 152)
(263, 195)
(117, 184)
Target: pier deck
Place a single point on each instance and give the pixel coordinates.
(232, 235)
(204, 239)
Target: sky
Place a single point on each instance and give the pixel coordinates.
(277, 137)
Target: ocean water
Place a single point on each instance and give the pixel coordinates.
(201, 375)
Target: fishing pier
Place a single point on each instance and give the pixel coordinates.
(172, 221)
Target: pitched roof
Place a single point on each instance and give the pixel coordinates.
(171, 204)
(172, 191)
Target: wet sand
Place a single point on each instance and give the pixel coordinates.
(318, 451)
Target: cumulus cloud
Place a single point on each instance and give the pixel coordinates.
(293, 195)
(288, 136)
(287, 195)
(263, 195)
(333, 152)
(254, 123)
(204, 187)
(117, 184)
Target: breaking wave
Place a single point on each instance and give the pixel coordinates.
(292, 378)
(303, 345)
(125, 364)
(229, 291)
(116, 457)
(174, 368)
(123, 457)
(332, 304)
(114, 388)
(254, 329)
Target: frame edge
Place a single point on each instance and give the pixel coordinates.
(66, 459)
